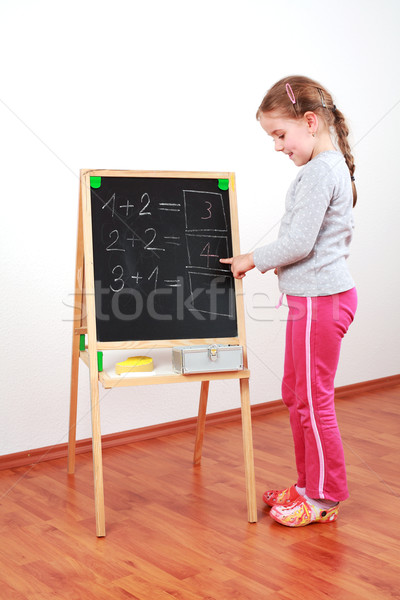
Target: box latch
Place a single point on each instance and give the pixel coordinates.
(213, 353)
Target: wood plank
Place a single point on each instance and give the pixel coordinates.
(109, 379)
(201, 422)
(76, 341)
(166, 174)
(92, 351)
(248, 451)
(151, 344)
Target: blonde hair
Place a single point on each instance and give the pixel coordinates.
(294, 96)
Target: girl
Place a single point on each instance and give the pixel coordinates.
(309, 258)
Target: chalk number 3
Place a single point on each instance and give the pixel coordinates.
(208, 209)
(118, 282)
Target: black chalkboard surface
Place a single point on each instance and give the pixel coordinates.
(157, 242)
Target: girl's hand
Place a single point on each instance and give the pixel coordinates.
(239, 264)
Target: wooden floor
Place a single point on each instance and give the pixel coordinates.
(178, 532)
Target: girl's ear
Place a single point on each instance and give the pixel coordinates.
(311, 120)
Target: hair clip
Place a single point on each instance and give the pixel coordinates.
(322, 98)
(289, 92)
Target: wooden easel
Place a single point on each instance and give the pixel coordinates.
(85, 323)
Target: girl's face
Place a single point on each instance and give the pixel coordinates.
(291, 136)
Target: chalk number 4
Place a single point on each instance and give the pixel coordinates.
(207, 254)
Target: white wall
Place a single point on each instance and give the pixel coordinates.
(175, 86)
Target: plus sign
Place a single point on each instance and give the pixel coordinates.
(127, 206)
(136, 277)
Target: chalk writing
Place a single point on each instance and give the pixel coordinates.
(157, 244)
(145, 198)
(114, 234)
(127, 206)
(106, 204)
(117, 287)
(153, 234)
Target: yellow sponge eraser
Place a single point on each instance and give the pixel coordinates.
(133, 364)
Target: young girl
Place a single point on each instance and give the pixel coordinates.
(309, 258)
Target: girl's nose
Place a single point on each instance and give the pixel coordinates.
(278, 145)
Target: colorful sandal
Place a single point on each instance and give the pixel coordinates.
(301, 513)
(281, 497)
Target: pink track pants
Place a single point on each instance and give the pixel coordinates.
(315, 329)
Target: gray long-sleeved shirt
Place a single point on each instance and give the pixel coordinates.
(316, 230)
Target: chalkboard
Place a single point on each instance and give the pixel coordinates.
(157, 242)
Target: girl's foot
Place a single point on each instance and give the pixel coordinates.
(301, 512)
(281, 497)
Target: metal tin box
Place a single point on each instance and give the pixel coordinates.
(206, 359)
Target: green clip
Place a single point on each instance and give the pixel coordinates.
(95, 182)
(82, 342)
(100, 361)
(223, 184)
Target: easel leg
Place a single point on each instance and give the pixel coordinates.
(73, 404)
(201, 422)
(248, 451)
(76, 341)
(92, 348)
(97, 461)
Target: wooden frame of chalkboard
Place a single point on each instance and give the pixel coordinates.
(148, 276)
(156, 242)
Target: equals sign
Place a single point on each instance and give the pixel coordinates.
(170, 206)
(174, 240)
(173, 282)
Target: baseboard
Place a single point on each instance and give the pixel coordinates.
(32, 457)
(367, 386)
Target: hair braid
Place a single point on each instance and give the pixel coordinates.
(342, 132)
